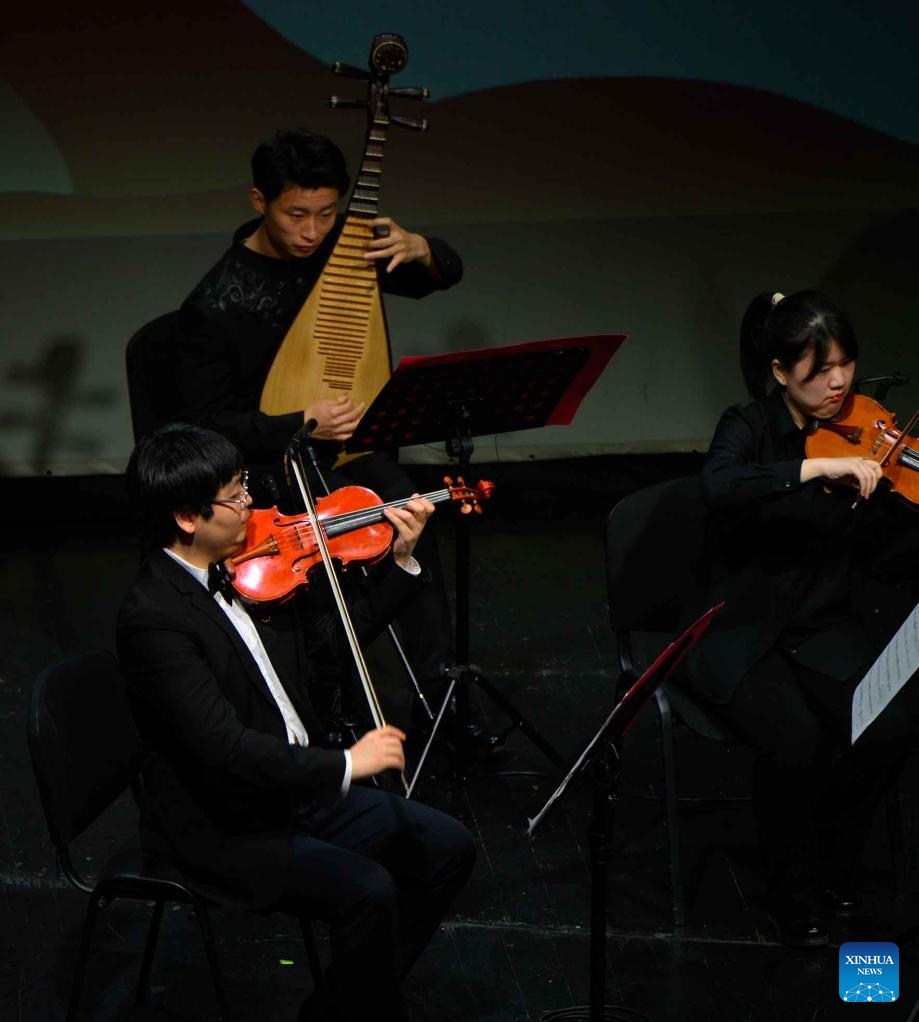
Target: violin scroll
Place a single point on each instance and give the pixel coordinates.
(469, 497)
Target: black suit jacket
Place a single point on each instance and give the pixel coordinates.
(220, 779)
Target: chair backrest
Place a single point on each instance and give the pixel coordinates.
(150, 360)
(653, 539)
(83, 742)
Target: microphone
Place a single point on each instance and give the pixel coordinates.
(303, 433)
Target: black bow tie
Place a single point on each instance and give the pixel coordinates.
(218, 581)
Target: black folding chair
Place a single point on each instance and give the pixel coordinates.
(85, 753)
(150, 363)
(653, 537)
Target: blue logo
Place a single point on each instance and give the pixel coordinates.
(869, 970)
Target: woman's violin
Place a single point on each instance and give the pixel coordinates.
(865, 429)
(281, 550)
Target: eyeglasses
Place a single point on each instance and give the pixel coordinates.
(239, 504)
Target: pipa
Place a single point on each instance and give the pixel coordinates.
(338, 343)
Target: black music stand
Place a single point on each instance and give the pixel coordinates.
(460, 395)
(606, 773)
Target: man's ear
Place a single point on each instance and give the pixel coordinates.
(779, 373)
(187, 520)
(257, 198)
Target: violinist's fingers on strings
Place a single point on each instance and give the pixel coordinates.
(406, 524)
(420, 507)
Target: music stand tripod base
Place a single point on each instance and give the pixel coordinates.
(608, 740)
(455, 397)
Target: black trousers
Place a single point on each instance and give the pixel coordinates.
(814, 793)
(382, 871)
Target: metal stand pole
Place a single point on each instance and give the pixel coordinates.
(606, 768)
(461, 446)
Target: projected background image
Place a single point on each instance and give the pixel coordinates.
(627, 171)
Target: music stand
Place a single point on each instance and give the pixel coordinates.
(460, 395)
(606, 772)
(464, 394)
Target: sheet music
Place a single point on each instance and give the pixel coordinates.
(888, 674)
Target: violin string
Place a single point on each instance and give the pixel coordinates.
(370, 515)
(901, 443)
(907, 455)
(289, 537)
(349, 521)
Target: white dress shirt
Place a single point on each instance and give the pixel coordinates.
(296, 732)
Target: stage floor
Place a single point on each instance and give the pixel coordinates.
(517, 944)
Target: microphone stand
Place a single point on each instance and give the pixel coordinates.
(605, 751)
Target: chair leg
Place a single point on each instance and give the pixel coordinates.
(143, 982)
(88, 924)
(207, 935)
(312, 954)
(670, 805)
(895, 837)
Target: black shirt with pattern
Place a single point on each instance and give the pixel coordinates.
(235, 319)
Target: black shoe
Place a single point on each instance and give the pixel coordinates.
(799, 924)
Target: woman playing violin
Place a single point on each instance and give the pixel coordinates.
(792, 545)
(813, 367)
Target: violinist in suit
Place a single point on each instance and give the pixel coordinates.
(238, 790)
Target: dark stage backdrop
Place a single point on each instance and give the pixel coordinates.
(602, 167)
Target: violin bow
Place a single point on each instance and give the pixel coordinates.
(376, 711)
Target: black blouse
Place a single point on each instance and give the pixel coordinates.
(789, 559)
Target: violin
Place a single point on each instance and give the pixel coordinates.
(281, 551)
(865, 429)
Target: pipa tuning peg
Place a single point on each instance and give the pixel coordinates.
(340, 103)
(349, 70)
(410, 122)
(411, 92)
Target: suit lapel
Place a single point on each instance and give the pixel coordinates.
(201, 601)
